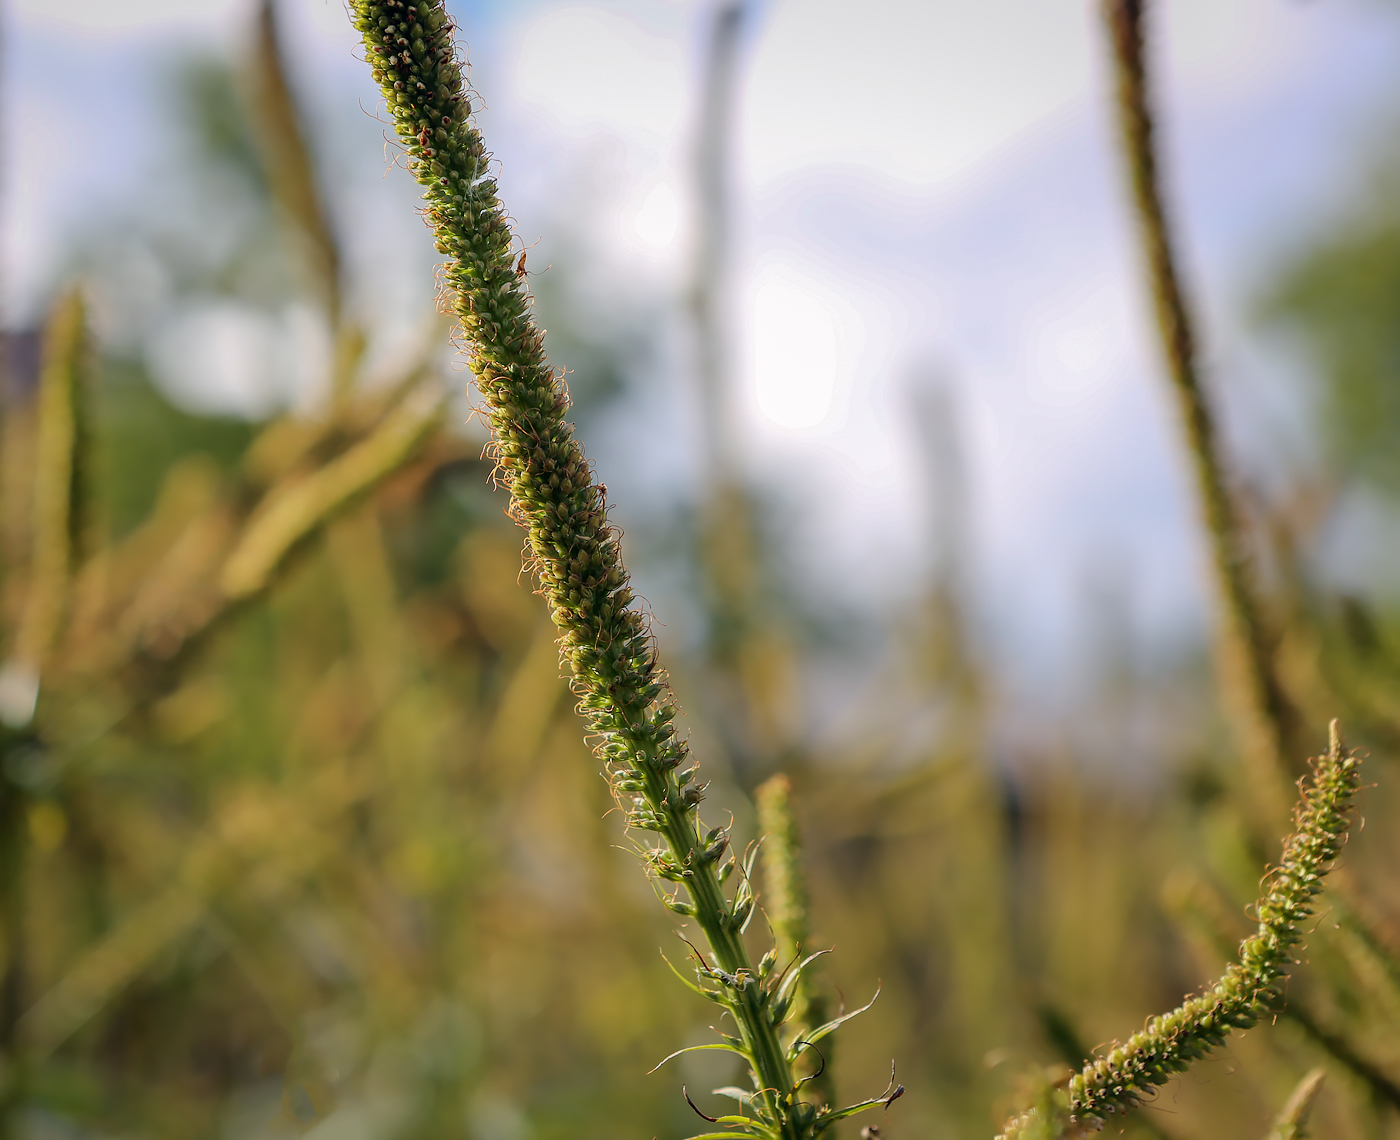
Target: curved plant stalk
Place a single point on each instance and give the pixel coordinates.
(1292, 1121)
(292, 512)
(1251, 986)
(575, 554)
(1259, 708)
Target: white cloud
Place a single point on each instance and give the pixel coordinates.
(900, 193)
(128, 16)
(581, 69)
(799, 344)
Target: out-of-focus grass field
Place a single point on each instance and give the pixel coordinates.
(328, 855)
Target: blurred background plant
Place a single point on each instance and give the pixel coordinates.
(300, 833)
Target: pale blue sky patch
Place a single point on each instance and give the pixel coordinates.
(914, 182)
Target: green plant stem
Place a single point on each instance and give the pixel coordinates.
(287, 161)
(729, 552)
(1062, 1035)
(1250, 987)
(1261, 714)
(1340, 1050)
(575, 554)
(712, 173)
(1292, 1121)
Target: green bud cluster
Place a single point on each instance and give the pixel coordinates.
(1253, 985)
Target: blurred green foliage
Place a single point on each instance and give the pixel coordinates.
(140, 435)
(1340, 298)
(334, 859)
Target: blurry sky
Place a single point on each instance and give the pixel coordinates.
(926, 195)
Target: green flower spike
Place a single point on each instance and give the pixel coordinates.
(1252, 986)
(603, 635)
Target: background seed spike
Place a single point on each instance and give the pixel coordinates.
(1116, 1082)
(786, 906)
(1202, 916)
(59, 467)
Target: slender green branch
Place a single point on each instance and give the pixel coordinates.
(1061, 1033)
(1341, 1050)
(1251, 986)
(1261, 714)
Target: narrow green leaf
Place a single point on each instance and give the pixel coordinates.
(713, 995)
(835, 1023)
(700, 1049)
(851, 1110)
(743, 1096)
(796, 973)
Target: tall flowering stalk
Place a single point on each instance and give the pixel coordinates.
(1118, 1081)
(574, 552)
(1260, 710)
